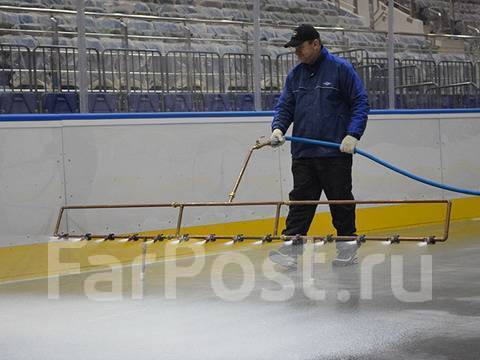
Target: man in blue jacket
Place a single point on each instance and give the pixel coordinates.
(324, 99)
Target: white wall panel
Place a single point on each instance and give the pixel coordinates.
(412, 145)
(193, 162)
(461, 153)
(196, 160)
(31, 183)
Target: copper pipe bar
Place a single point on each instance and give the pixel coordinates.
(278, 205)
(59, 219)
(246, 238)
(448, 214)
(179, 220)
(260, 143)
(258, 203)
(231, 196)
(277, 219)
(343, 202)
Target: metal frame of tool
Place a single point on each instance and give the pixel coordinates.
(267, 238)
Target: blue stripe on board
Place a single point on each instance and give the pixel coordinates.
(186, 115)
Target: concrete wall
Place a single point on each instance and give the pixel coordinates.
(50, 161)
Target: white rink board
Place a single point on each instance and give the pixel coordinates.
(90, 160)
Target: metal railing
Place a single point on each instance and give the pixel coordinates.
(15, 68)
(477, 72)
(238, 72)
(454, 72)
(55, 68)
(284, 63)
(273, 236)
(193, 71)
(428, 69)
(461, 95)
(417, 96)
(123, 71)
(132, 70)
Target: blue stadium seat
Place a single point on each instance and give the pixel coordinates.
(102, 102)
(378, 101)
(458, 101)
(66, 102)
(466, 101)
(18, 103)
(244, 102)
(270, 100)
(178, 102)
(447, 101)
(217, 102)
(431, 101)
(473, 101)
(144, 102)
(402, 101)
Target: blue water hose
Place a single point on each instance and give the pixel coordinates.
(386, 164)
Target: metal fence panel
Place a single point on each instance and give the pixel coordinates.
(374, 81)
(15, 68)
(417, 96)
(477, 73)
(193, 71)
(55, 68)
(460, 95)
(356, 57)
(455, 72)
(238, 72)
(132, 70)
(428, 71)
(284, 63)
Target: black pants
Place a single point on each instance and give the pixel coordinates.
(311, 176)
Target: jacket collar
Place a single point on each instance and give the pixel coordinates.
(323, 54)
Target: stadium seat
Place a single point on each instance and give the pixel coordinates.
(102, 102)
(474, 101)
(378, 101)
(244, 102)
(404, 101)
(447, 101)
(66, 102)
(18, 103)
(178, 102)
(144, 102)
(217, 102)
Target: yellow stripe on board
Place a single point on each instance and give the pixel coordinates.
(29, 261)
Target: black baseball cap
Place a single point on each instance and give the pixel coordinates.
(302, 33)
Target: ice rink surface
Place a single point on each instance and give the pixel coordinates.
(204, 322)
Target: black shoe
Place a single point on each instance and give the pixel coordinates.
(346, 255)
(283, 258)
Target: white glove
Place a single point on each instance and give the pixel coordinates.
(348, 144)
(277, 139)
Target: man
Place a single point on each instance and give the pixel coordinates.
(324, 99)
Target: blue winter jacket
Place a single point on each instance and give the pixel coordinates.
(326, 101)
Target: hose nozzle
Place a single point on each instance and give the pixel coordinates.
(262, 142)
